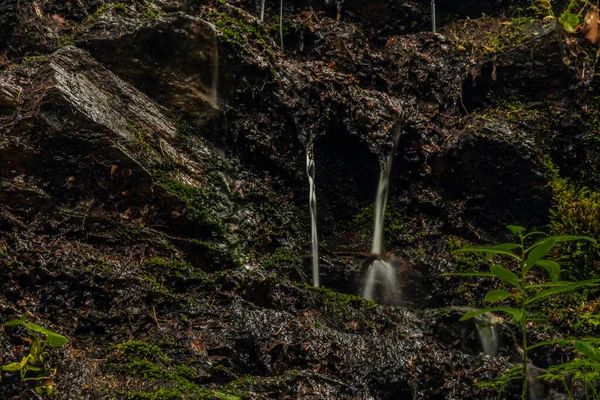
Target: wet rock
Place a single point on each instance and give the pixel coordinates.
(81, 116)
(516, 189)
(543, 63)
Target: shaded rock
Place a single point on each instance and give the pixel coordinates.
(173, 58)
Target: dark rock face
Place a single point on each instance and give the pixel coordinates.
(174, 59)
(137, 204)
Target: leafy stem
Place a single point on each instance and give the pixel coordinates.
(534, 256)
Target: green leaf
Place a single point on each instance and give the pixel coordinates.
(506, 246)
(15, 322)
(564, 238)
(552, 267)
(570, 22)
(516, 230)
(12, 367)
(539, 251)
(535, 233)
(515, 313)
(588, 350)
(562, 287)
(53, 338)
(468, 274)
(487, 250)
(561, 342)
(506, 275)
(494, 296)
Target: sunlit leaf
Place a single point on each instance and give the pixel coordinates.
(15, 322)
(570, 22)
(54, 339)
(12, 367)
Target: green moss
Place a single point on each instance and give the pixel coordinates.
(135, 349)
(146, 370)
(345, 306)
(150, 12)
(184, 132)
(120, 7)
(196, 201)
(238, 30)
(168, 381)
(576, 210)
(282, 257)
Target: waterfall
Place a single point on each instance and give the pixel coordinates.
(381, 200)
(312, 202)
(262, 11)
(381, 274)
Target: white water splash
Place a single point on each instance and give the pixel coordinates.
(381, 282)
(488, 328)
(381, 201)
(310, 171)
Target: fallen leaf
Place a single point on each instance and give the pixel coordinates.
(590, 26)
(37, 10)
(58, 19)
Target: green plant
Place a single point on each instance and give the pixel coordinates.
(32, 366)
(572, 21)
(525, 290)
(585, 368)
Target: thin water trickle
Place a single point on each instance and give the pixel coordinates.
(381, 201)
(381, 282)
(214, 98)
(262, 11)
(381, 275)
(433, 24)
(310, 171)
(281, 24)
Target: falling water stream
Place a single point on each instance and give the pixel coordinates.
(310, 171)
(433, 23)
(488, 327)
(381, 274)
(214, 98)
